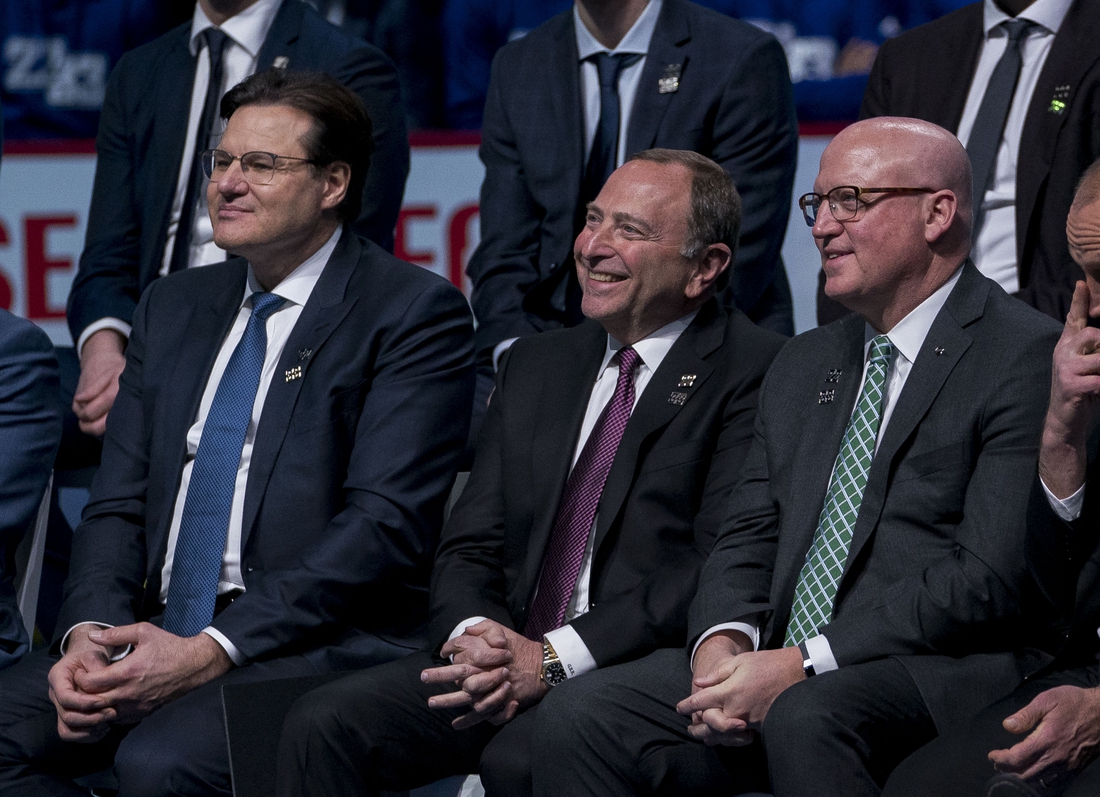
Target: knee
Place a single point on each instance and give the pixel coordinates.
(575, 709)
(800, 714)
(146, 767)
(505, 771)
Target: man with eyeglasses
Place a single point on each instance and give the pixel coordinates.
(869, 588)
(286, 431)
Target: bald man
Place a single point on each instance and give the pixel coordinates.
(1044, 736)
(867, 589)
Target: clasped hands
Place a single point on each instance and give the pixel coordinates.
(733, 687)
(497, 672)
(91, 692)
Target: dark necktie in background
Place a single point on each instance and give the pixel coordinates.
(605, 146)
(197, 561)
(989, 124)
(579, 502)
(216, 41)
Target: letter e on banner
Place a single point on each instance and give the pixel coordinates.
(5, 286)
(420, 257)
(39, 265)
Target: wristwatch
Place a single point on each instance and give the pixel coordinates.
(807, 662)
(553, 672)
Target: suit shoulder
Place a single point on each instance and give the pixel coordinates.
(377, 269)
(332, 43)
(1017, 322)
(138, 61)
(708, 25)
(18, 335)
(532, 48)
(946, 31)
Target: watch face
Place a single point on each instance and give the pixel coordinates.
(554, 673)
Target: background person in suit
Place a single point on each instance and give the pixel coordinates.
(159, 112)
(30, 427)
(866, 588)
(571, 548)
(1027, 117)
(1047, 732)
(675, 75)
(287, 428)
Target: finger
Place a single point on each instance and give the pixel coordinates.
(96, 428)
(489, 631)
(460, 643)
(717, 675)
(507, 715)
(720, 722)
(118, 637)
(447, 674)
(81, 736)
(484, 682)
(1026, 718)
(1018, 757)
(1078, 316)
(485, 708)
(456, 699)
(484, 658)
(700, 701)
(70, 699)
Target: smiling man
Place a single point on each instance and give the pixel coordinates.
(868, 585)
(286, 431)
(605, 466)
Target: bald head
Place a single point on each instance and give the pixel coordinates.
(1083, 231)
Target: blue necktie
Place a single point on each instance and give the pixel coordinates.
(197, 562)
(605, 146)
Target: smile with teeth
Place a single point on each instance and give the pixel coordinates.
(600, 277)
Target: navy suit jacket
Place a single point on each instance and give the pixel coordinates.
(351, 465)
(926, 73)
(30, 429)
(936, 575)
(666, 492)
(142, 132)
(734, 104)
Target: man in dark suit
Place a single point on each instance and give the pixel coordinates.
(30, 427)
(287, 428)
(147, 215)
(1045, 735)
(687, 78)
(866, 588)
(943, 71)
(573, 546)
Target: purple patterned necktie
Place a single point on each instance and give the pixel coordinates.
(579, 502)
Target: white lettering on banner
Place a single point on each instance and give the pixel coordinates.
(44, 206)
(41, 64)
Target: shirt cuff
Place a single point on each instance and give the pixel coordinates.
(821, 654)
(117, 324)
(119, 656)
(230, 649)
(460, 629)
(498, 351)
(752, 630)
(575, 656)
(1068, 508)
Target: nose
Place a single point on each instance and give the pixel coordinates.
(825, 225)
(591, 241)
(232, 183)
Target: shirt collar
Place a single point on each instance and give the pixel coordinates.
(908, 334)
(248, 28)
(653, 347)
(636, 39)
(298, 284)
(1048, 13)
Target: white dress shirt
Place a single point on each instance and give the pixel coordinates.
(574, 654)
(636, 41)
(907, 336)
(247, 32)
(994, 250)
(296, 288)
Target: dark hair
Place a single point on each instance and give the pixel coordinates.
(341, 128)
(715, 204)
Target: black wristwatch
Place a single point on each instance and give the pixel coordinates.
(553, 672)
(807, 662)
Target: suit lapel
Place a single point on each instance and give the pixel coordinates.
(663, 399)
(322, 314)
(565, 96)
(944, 346)
(666, 48)
(1072, 53)
(829, 407)
(950, 94)
(564, 395)
(282, 36)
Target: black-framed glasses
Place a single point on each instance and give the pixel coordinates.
(258, 167)
(846, 200)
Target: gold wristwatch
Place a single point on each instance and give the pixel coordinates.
(553, 672)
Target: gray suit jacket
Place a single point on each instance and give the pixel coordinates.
(936, 573)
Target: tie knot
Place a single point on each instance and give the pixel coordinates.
(264, 304)
(609, 66)
(628, 361)
(1017, 29)
(216, 40)
(882, 350)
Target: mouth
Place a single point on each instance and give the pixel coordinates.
(599, 276)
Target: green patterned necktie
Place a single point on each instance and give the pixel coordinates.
(820, 576)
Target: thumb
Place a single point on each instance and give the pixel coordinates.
(114, 637)
(1023, 720)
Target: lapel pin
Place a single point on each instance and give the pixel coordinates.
(293, 373)
(939, 350)
(670, 82)
(305, 354)
(677, 398)
(826, 396)
(281, 62)
(834, 375)
(687, 380)
(1058, 102)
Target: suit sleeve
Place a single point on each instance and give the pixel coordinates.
(973, 599)
(411, 430)
(505, 265)
(107, 283)
(371, 75)
(755, 139)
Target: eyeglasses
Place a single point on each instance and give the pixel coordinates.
(846, 200)
(258, 167)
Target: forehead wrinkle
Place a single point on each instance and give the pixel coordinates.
(621, 217)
